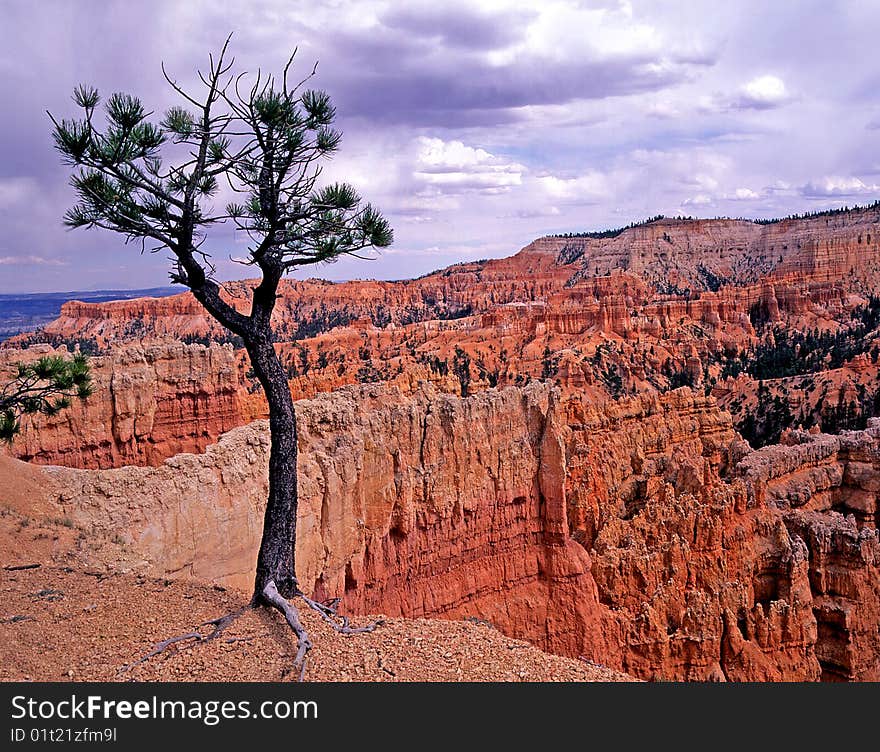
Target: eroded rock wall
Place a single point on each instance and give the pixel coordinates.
(427, 505)
(826, 490)
(665, 262)
(151, 401)
(642, 533)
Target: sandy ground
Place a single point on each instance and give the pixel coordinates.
(61, 622)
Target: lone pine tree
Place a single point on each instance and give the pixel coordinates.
(156, 183)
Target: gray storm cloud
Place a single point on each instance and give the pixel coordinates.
(475, 126)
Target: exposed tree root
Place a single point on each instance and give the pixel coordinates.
(219, 625)
(222, 622)
(326, 610)
(271, 597)
(328, 613)
(161, 647)
(274, 598)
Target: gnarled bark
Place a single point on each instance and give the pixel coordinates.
(276, 558)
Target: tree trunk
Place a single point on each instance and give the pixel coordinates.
(276, 559)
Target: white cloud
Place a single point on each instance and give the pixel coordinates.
(764, 92)
(709, 199)
(415, 219)
(833, 186)
(30, 261)
(743, 194)
(558, 32)
(443, 156)
(587, 188)
(701, 199)
(454, 167)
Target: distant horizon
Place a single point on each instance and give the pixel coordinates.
(609, 231)
(95, 291)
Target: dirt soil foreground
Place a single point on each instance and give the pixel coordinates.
(62, 622)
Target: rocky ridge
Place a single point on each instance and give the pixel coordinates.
(666, 303)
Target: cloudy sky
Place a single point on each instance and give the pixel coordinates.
(476, 126)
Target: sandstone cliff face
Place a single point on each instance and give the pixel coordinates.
(402, 510)
(712, 590)
(771, 571)
(827, 488)
(450, 522)
(151, 401)
(676, 254)
(624, 453)
(640, 534)
(679, 554)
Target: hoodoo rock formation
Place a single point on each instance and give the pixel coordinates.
(696, 558)
(655, 449)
